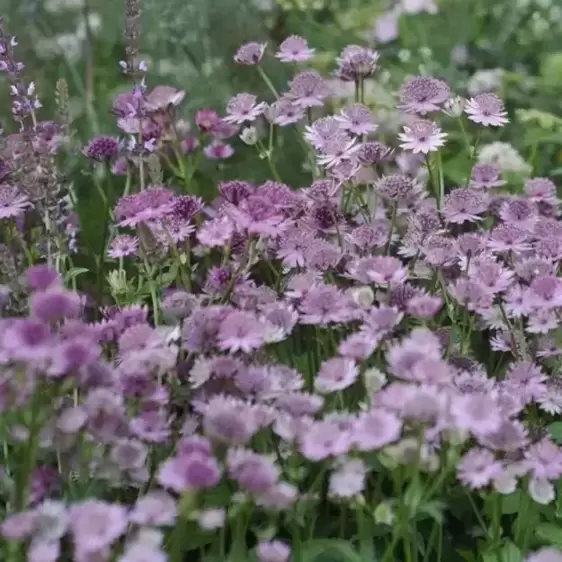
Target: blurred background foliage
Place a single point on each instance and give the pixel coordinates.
(513, 47)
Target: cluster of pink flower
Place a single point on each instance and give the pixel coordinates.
(312, 338)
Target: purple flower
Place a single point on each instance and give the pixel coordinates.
(381, 270)
(508, 238)
(12, 202)
(229, 421)
(218, 150)
(250, 53)
(478, 468)
(102, 148)
(373, 152)
(54, 304)
(485, 176)
(96, 525)
(357, 119)
(423, 94)
(325, 439)
(285, 112)
(254, 473)
(335, 374)
(308, 89)
(544, 460)
(277, 551)
(422, 136)
(541, 189)
(123, 246)
(519, 211)
(325, 305)
(356, 63)
(464, 205)
(294, 49)
(189, 472)
(243, 108)
(241, 331)
(487, 109)
(206, 120)
(321, 131)
(151, 204)
(215, 233)
(375, 429)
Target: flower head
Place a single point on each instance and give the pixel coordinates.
(423, 94)
(294, 49)
(422, 136)
(308, 89)
(12, 202)
(102, 148)
(487, 109)
(356, 63)
(464, 205)
(357, 119)
(250, 53)
(243, 108)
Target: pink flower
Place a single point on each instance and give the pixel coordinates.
(544, 460)
(215, 233)
(376, 429)
(243, 108)
(12, 202)
(357, 119)
(487, 109)
(294, 49)
(423, 94)
(335, 374)
(478, 468)
(123, 246)
(324, 439)
(218, 150)
(422, 136)
(241, 331)
(250, 53)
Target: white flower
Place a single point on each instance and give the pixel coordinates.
(505, 156)
(541, 491)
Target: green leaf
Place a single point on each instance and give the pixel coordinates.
(74, 272)
(550, 533)
(555, 430)
(324, 550)
(506, 553)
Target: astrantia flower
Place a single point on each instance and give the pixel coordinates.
(285, 112)
(229, 421)
(423, 94)
(321, 131)
(250, 53)
(308, 89)
(356, 63)
(335, 374)
(155, 509)
(519, 211)
(189, 472)
(123, 246)
(422, 136)
(464, 205)
(544, 460)
(325, 439)
(348, 479)
(336, 150)
(12, 202)
(357, 119)
(485, 176)
(215, 233)
(396, 187)
(149, 205)
(487, 109)
(541, 189)
(476, 413)
(258, 215)
(102, 148)
(373, 152)
(380, 270)
(240, 331)
(294, 49)
(243, 108)
(96, 525)
(545, 292)
(376, 429)
(508, 238)
(478, 468)
(491, 275)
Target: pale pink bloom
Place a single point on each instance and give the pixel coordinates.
(336, 374)
(422, 136)
(487, 109)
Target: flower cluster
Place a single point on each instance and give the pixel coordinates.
(367, 349)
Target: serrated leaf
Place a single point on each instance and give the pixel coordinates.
(550, 533)
(74, 272)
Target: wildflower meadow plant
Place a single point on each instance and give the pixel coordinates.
(364, 367)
